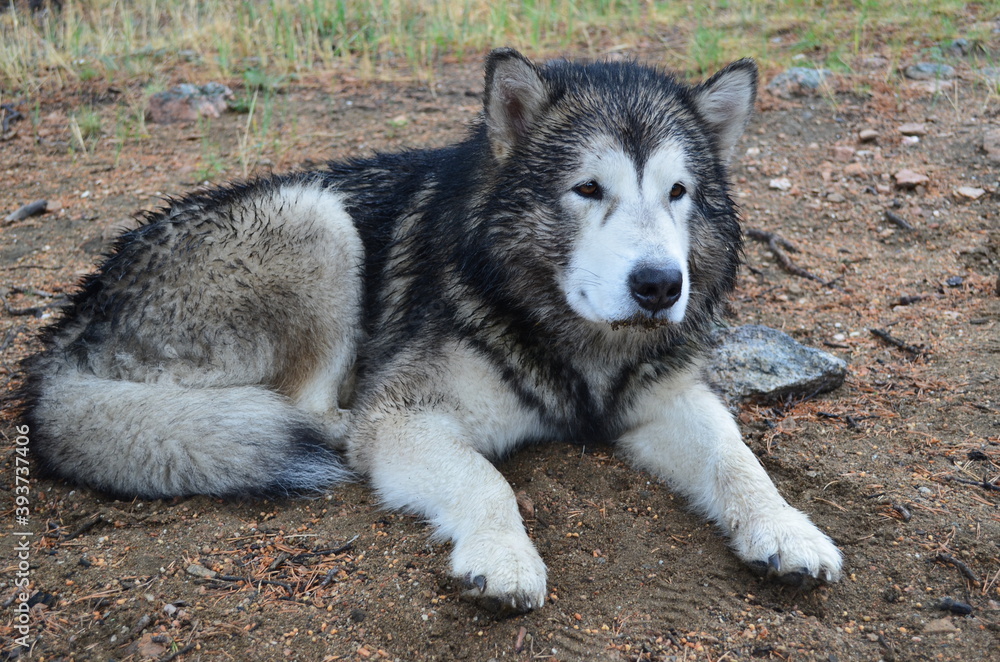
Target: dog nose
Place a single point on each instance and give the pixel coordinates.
(656, 289)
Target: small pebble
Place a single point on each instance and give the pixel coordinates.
(910, 179)
(913, 129)
(955, 607)
(843, 152)
(970, 192)
(854, 169)
(954, 281)
(868, 135)
(201, 571)
(941, 626)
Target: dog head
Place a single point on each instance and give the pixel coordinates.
(627, 171)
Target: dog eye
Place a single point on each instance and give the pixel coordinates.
(588, 189)
(677, 191)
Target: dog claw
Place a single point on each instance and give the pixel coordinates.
(478, 582)
(801, 578)
(500, 606)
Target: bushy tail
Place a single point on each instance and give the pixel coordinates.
(161, 440)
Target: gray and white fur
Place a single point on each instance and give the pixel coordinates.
(551, 277)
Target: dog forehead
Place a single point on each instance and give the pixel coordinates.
(623, 90)
(605, 147)
(624, 105)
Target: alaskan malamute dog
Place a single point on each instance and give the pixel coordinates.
(553, 276)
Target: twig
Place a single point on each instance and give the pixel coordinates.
(298, 558)
(853, 422)
(328, 577)
(896, 342)
(58, 300)
(775, 242)
(259, 582)
(898, 220)
(769, 237)
(831, 503)
(90, 523)
(10, 114)
(143, 621)
(324, 552)
(985, 484)
(903, 511)
(9, 337)
(177, 653)
(284, 556)
(31, 310)
(962, 567)
(18, 289)
(14, 267)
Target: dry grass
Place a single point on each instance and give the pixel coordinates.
(116, 40)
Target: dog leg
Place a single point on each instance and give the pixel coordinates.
(417, 461)
(684, 434)
(323, 393)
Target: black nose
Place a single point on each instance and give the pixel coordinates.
(656, 289)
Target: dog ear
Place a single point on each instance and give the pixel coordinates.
(515, 95)
(726, 101)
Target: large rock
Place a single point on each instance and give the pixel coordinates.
(186, 103)
(929, 71)
(755, 362)
(799, 81)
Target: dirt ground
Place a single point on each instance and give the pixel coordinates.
(900, 465)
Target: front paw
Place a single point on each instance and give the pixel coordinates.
(787, 547)
(502, 574)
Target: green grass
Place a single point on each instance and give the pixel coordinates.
(259, 47)
(111, 40)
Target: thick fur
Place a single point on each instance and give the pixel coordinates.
(553, 276)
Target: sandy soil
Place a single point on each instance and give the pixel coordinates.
(891, 464)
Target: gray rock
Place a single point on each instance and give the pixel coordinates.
(30, 209)
(929, 71)
(991, 76)
(755, 362)
(798, 81)
(186, 103)
(991, 144)
(958, 47)
(201, 571)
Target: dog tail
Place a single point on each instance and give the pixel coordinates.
(155, 440)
